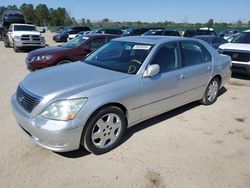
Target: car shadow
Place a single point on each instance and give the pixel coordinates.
(240, 76)
(141, 126)
(81, 152)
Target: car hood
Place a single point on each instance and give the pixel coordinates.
(235, 46)
(46, 51)
(69, 79)
(19, 33)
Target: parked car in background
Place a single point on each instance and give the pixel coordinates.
(227, 33)
(232, 37)
(239, 51)
(1, 32)
(192, 33)
(110, 31)
(63, 36)
(128, 80)
(9, 17)
(73, 50)
(71, 36)
(214, 41)
(138, 31)
(61, 29)
(22, 36)
(164, 32)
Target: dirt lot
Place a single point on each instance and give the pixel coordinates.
(193, 146)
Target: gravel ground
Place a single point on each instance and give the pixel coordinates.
(193, 146)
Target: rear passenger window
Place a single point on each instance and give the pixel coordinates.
(167, 57)
(193, 54)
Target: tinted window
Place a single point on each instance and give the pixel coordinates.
(193, 54)
(96, 43)
(24, 28)
(171, 33)
(218, 40)
(242, 38)
(167, 57)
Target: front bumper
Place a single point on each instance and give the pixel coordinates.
(21, 44)
(58, 136)
(241, 67)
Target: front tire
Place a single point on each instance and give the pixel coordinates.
(211, 93)
(16, 49)
(104, 130)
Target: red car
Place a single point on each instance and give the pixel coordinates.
(73, 50)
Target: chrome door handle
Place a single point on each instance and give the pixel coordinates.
(181, 77)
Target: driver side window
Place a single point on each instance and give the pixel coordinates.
(167, 57)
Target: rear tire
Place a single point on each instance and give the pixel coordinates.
(6, 43)
(211, 93)
(104, 130)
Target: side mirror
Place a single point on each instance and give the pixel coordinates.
(10, 30)
(151, 71)
(43, 31)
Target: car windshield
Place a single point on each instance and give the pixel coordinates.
(14, 16)
(24, 28)
(242, 38)
(75, 42)
(125, 57)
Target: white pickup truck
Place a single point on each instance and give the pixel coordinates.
(239, 50)
(25, 36)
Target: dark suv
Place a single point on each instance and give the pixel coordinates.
(164, 32)
(9, 17)
(138, 31)
(62, 37)
(192, 33)
(73, 50)
(110, 31)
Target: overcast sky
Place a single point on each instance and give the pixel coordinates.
(150, 10)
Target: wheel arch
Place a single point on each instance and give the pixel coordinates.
(219, 78)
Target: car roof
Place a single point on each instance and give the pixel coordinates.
(205, 36)
(150, 39)
(98, 34)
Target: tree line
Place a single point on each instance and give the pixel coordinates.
(41, 15)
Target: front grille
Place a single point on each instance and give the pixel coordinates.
(27, 101)
(35, 37)
(238, 56)
(25, 37)
(30, 37)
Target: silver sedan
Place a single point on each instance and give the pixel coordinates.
(92, 102)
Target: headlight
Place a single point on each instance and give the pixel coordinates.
(220, 50)
(17, 37)
(42, 38)
(64, 110)
(41, 58)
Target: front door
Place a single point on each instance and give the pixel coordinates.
(161, 92)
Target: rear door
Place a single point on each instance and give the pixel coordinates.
(195, 70)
